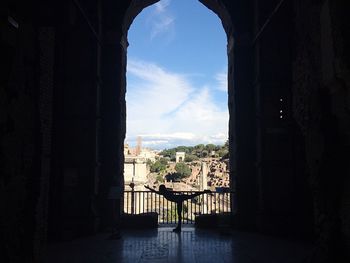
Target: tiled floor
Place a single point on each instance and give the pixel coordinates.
(190, 245)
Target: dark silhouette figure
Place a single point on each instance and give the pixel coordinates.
(177, 198)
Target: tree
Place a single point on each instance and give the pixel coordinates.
(210, 147)
(157, 167)
(183, 170)
(169, 153)
(199, 147)
(205, 153)
(160, 178)
(182, 149)
(190, 158)
(226, 145)
(163, 161)
(223, 153)
(173, 177)
(149, 162)
(200, 150)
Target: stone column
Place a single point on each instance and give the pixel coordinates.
(204, 175)
(242, 130)
(203, 186)
(113, 119)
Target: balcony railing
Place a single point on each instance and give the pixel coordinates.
(138, 202)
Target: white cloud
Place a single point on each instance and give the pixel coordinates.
(170, 138)
(167, 110)
(162, 5)
(155, 143)
(162, 25)
(155, 89)
(162, 141)
(221, 78)
(161, 20)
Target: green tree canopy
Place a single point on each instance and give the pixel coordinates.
(205, 153)
(200, 150)
(157, 167)
(210, 147)
(163, 161)
(183, 170)
(190, 157)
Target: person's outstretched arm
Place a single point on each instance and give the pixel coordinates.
(151, 189)
(197, 194)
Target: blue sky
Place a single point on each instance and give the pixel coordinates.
(177, 76)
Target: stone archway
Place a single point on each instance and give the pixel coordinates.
(218, 7)
(240, 98)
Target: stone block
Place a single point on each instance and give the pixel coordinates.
(144, 220)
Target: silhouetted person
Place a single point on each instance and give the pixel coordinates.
(176, 198)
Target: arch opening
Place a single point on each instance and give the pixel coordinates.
(130, 166)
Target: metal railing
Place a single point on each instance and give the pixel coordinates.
(139, 202)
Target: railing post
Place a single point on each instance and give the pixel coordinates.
(213, 203)
(132, 185)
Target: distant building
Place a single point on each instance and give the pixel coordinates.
(135, 165)
(129, 151)
(135, 170)
(126, 150)
(148, 155)
(180, 156)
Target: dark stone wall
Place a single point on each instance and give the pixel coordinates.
(76, 122)
(284, 200)
(25, 50)
(62, 119)
(241, 102)
(321, 109)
